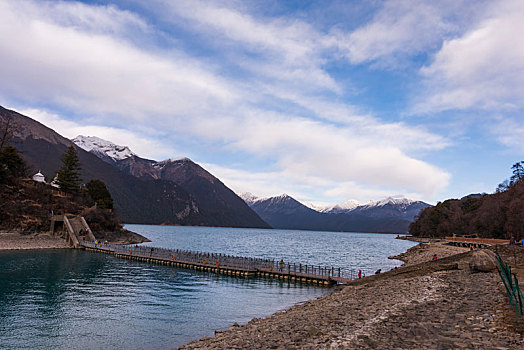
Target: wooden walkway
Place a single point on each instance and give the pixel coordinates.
(226, 264)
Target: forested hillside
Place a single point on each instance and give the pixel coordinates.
(498, 215)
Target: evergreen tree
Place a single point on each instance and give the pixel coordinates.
(98, 191)
(518, 172)
(12, 166)
(69, 179)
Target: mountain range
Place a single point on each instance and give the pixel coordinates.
(137, 198)
(389, 215)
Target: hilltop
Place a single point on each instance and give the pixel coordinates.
(498, 215)
(26, 207)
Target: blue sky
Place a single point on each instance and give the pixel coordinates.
(324, 100)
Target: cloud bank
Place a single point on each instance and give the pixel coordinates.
(257, 87)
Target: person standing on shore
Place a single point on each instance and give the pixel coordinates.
(359, 273)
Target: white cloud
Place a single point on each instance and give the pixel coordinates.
(309, 189)
(304, 147)
(70, 66)
(509, 132)
(482, 69)
(73, 59)
(399, 29)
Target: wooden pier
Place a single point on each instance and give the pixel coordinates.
(226, 264)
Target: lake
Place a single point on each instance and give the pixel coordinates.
(66, 299)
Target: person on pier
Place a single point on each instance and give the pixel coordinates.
(281, 265)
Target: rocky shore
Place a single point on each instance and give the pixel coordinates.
(439, 304)
(425, 250)
(17, 241)
(10, 240)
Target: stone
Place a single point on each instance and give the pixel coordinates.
(483, 261)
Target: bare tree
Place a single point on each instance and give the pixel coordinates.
(7, 127)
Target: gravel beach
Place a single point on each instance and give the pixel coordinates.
(430, 305)
(425, 250)
(17, 241)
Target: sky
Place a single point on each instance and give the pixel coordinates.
(326, 101)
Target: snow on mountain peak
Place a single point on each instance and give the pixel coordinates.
(97, 145)
(390, 200)
(249, 197)
(172, 160)
(347, 205)
(334, 208)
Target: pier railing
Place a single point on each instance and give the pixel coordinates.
(216, 261)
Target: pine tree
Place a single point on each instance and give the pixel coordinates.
(98, 191)
(12, 166)
(518, 172)
(69, 179)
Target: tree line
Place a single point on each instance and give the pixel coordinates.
(497, 215)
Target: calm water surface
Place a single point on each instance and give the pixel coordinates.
(74, 299)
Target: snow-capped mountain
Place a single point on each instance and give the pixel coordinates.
(285, 212)
(336, 208)
(215, 201)
(249, 198)
(398, 201)
(392, 207)
(102, 148)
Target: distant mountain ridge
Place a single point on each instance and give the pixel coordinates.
(390, 215)
(388, 207)
(219, 202)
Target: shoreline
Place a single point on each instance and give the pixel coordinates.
(14, 240)
(425, 250)
(10, 240)
(423, 304)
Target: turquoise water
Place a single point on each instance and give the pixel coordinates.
(67, 299)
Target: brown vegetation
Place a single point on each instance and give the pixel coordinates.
(498, 215)
(27, 206)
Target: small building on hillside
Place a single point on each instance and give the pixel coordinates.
(54, 183)
(39, 177)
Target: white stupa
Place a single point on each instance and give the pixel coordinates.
(39, 177)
